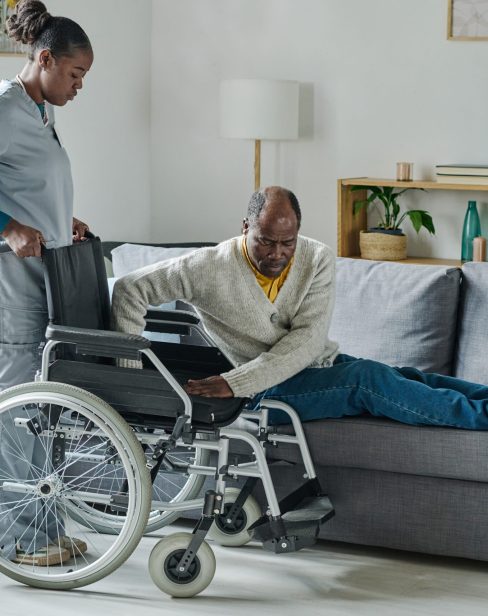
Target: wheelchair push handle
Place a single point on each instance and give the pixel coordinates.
(5, 247)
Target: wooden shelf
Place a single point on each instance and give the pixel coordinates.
(425, 184)
(349, 226)
(423, 261)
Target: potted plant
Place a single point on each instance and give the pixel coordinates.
(387, 242)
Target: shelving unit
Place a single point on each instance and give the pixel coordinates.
(349, 226)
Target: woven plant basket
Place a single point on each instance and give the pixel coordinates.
(382, 246)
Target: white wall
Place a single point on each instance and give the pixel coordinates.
(106, 129)
(380, 84)
(385, 86)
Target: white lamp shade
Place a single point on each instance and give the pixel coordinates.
(259, 109)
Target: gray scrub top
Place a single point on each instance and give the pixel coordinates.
(36, 187)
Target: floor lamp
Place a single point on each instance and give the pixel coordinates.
(259, 109)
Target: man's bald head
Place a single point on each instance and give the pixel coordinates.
(272, 194)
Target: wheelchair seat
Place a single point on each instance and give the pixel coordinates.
(144, 397)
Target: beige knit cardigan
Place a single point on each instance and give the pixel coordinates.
(267, 342)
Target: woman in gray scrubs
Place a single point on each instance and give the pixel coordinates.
(36, 194)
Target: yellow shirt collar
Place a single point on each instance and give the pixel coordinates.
(270, 286)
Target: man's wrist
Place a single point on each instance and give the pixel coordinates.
(4, 220)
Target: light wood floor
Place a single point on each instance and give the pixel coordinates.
(328, 580)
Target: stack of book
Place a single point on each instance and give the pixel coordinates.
(462, 174)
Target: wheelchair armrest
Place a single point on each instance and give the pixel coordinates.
(175, 316)
(99, 342)
(171, 321)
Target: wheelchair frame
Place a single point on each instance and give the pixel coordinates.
(258, 469)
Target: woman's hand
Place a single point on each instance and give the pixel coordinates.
(25, 241)
(212, 387)
(79, 230)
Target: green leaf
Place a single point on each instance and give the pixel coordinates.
(384, 200)
(428, 223)
(359, 205)
(416, 219)
(396, 211)
(375, 190)
(421, 218)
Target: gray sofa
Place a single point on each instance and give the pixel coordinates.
(424, 488)
(421, 489)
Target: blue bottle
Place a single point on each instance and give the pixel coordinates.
(471, 229)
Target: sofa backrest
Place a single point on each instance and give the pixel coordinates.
(137, 255)
(399, 314)
(472, 340)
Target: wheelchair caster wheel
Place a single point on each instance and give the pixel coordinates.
(163, 566)
(234, 533)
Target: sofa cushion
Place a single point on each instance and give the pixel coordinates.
(385, 445)
(470, 360)
(399, 314)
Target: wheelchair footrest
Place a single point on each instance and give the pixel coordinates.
(317, 509)
(297, 528)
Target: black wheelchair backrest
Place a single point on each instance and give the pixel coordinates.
(76, 285)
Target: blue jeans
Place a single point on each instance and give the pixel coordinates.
(356, 386)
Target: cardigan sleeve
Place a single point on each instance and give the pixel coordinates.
(300, 347)
(149, 286)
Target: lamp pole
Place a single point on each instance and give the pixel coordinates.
(257, 164)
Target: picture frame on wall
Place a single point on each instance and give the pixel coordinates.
(7, 45)
(467, 20)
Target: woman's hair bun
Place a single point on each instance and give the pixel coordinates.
(28, 21)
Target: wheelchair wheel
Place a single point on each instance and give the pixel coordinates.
(234, 533)
(61, 446)
(163, 570)
(169, 486)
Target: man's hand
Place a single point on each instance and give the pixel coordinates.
(79, 230)
(25, 241)
(212, 387)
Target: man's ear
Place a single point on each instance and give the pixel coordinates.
(245, 226)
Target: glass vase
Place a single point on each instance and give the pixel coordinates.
(471, 229)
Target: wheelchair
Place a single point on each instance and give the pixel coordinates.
(106, 453)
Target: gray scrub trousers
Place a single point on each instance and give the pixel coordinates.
(36, 190)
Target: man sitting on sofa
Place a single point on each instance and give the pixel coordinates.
(266, 298)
